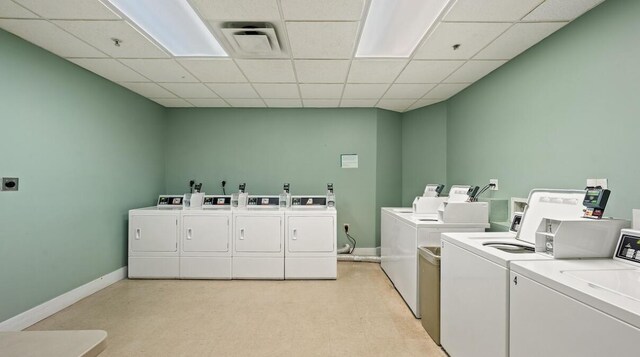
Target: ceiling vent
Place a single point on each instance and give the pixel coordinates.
(253, 39)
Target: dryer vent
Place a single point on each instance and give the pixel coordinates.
(252, 39)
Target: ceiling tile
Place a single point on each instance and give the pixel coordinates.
(284, 103)
(446, 90)
(100, 34)
(234, 10)
(321, 91)
(318, 10)
(375, 71)
(149, 90)
(214, 70)
(50, 37)
(364, 91)
(252, 103)
(518, 39)
(277, 91)
(322, 39)
(490, 10)
(109, 69)
(428, 71)
(408, 91)
(207, 102)
(176, 102)
(358, 103)
(473, 71)
(397, 105)
(423, 103)
(11, 10)
(321, 71)
(233, 90)
(472, 37)
(321, 103)
(189, 90)
(268, 71)
(561, 10)
(69, 9)
(160, 70)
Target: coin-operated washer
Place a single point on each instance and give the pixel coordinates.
(258, 238)
(205, 250)
(577, 307)
(154, 237)
(311, 237)
(475, 267)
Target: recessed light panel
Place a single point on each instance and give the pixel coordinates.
(394, 28)
(174, 24)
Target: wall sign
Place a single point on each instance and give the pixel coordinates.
(349, 161)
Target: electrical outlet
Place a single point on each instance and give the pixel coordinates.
(346, 227)
(604, 183)
(10, 184)
(495, 182)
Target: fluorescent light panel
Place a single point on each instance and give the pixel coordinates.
(395, 27)
(174, 24)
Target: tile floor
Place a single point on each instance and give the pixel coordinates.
(360, 314)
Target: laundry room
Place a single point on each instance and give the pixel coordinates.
(319, 178)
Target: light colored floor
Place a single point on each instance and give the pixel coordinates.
(360, 314)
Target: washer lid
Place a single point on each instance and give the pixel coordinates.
(549, 203)
(621, 282)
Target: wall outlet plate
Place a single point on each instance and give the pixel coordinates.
(495, 182)
(10, 184)
(604, 183)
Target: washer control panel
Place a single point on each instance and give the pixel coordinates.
(216, 201)
(629, 247)
(170, 201)
(309, 201)
(263, 201)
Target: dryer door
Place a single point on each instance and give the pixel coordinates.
(153, 233)
(205, 233)
(310, 234)
(258, 234)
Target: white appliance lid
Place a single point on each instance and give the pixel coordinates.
(458, 193)
(549, 203)
(621, 282)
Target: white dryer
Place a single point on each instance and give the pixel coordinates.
(206, 247)
(311, 239)
(574, 308)
(154, 239)
(475, 276)
(258, 239)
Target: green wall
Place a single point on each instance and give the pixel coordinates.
(85, 152)
(388, 164)
(424, 150)
(564, 111)
(267, 147)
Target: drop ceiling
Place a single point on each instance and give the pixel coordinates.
(316, 68)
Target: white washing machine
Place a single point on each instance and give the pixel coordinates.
(402, 232)
(311, 239)
(475, 276)
(258, 239)
(578, 308)
(206, 244)
(154, 237)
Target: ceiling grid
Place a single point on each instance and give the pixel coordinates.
(318, 66)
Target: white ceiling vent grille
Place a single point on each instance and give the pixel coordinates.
(253, 40)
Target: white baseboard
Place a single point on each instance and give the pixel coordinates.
(367, 251)
(48, 308)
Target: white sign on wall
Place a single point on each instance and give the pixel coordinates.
(349, 161)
